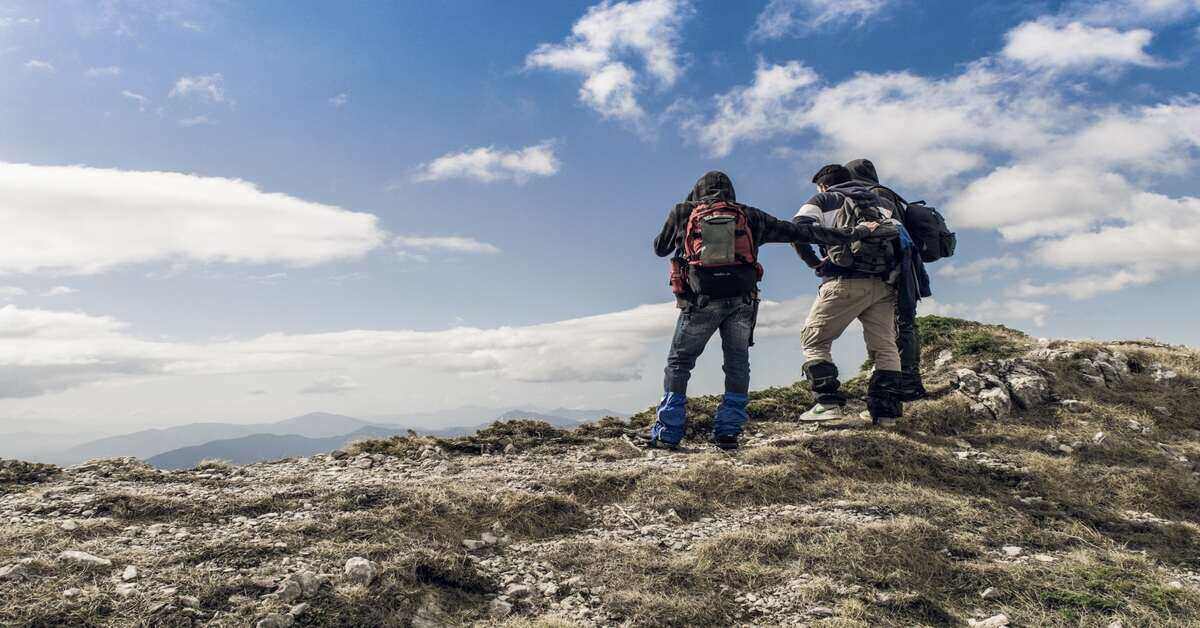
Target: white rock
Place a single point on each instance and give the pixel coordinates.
(289, 591)
(1044, 558)
(126, 589)
(1099, 438)
(69, 525)
(130, 573)
(1116, 623)
(489, 539)
(997, 401)
(990, 593)
(473, 544)
(14, 572)
(821, 611)
(84, 558)
(72, 593)
(944, 358)
(517, 591)
(1012, 551)
(360, 570)
(995, 621)
(500, 609)
(1074, 405)
(275, 620)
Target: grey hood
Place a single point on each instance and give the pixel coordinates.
(863, 170)
(714, 184)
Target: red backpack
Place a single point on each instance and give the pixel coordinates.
(719, 253)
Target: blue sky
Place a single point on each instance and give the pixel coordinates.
(248, 210)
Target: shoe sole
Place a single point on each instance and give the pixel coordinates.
(819, 419)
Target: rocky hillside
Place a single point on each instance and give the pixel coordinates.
(1044, 484)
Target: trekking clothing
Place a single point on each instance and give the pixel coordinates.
(823, 209)
(670, 420)
(883, 392)
(731, 415)
(764, 228)
(734, 318)
(822, 412)
(841, 300)
(822, 375)
(728, 442)
(912, 286)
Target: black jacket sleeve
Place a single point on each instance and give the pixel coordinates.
(668, 239)
(769, 229)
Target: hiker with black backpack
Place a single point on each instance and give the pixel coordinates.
(858, 282)
(933, 240)
(714, 274)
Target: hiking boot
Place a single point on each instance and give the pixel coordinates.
(911, 388)
(728, 442)
(822, 412)
(650, 442)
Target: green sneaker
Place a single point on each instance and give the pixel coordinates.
(822, 412)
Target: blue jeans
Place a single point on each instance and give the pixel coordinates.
(734, 318)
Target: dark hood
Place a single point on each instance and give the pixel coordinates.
(713, 184)
(863, 170)
(856, 190)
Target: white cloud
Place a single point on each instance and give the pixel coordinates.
(38, 65)
(766, 107)
(8, 293)
(604, 38)
(201, 120)
(106, 71)
(141, 100)
(80, 220)
(332, 385)
(45, 351)
(1028, 201)
(977, 270)
(782, 18)
(1132, 12)
(452, 244)
(58, 291)
(7, 21)
(952, 123)
(1008, 312)
(209, 87)
(340, 100)
(1085, 287)
(489, 164)
(1046, 45)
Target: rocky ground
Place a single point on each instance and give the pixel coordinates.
(1044, 484)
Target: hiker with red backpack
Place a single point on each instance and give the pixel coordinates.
(714, 276)
(859, 281)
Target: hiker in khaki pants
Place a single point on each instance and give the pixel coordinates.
(856, 289)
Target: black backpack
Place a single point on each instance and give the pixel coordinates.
(928, 229)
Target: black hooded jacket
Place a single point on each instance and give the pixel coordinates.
(916, 285)
(764, 228)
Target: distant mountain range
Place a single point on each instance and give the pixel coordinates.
(186, 445)
(262, 447)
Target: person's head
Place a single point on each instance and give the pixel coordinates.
(831, 175)
(863, 170)
(713, 184)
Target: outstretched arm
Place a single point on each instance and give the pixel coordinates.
(665, 243)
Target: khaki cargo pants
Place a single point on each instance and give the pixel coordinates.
(838, 303)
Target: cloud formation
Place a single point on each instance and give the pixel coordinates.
(609, 37)
(489, 165)
(451, 244)
(80, 220)
(106, 71)
(207, 88)
(1045, 45)
(44, 351)
(332, 385)
(783, 18)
